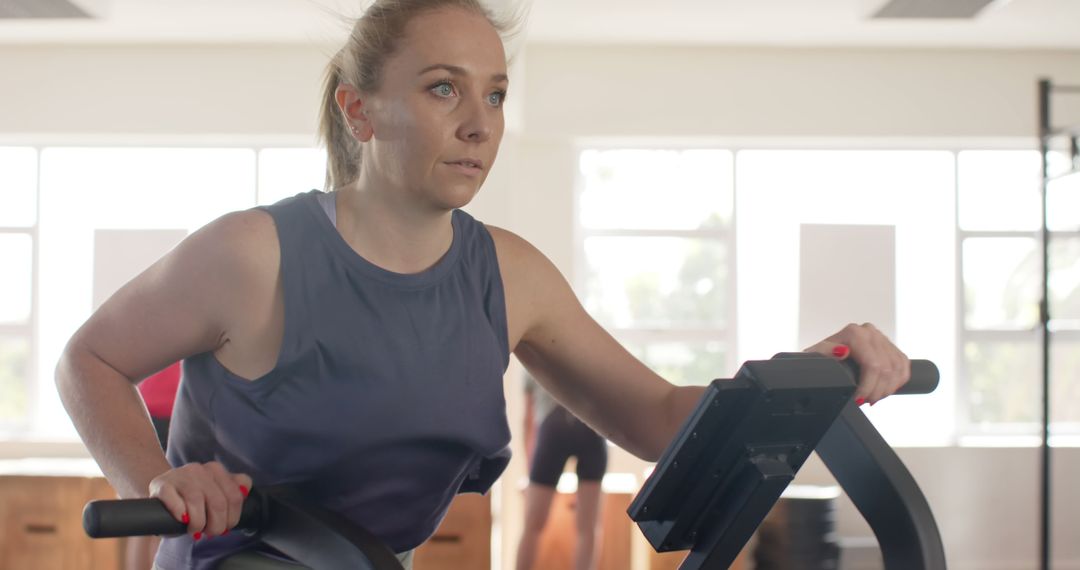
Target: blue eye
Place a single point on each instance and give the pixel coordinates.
(497, 98)
(443, 89)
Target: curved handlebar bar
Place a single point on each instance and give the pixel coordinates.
(314, 537)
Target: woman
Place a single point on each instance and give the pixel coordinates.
(353, 343)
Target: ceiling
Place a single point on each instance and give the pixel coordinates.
(1053, 24)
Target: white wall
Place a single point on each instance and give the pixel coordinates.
(983, 498)
(647, 90)
(151, 90)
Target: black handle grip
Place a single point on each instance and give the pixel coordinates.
(924, 378)
(924, 373)
(145, 517)
(129, 517)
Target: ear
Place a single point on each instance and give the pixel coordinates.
(352, 105)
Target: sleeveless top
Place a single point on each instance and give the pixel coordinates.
(386, 399)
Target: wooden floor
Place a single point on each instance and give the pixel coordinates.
(557, 543)
(671, 561)
(556, 549)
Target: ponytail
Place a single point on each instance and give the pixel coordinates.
(343, 152)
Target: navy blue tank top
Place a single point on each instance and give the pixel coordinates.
(387, 396)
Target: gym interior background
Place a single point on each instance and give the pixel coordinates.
(694, 168)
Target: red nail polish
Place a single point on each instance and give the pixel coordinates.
(185, 519)
(244, 490)
(860, 401)
(840, 351)
(198, 535)
(226, 532)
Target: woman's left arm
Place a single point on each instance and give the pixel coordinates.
(579, 363)
(604, 385)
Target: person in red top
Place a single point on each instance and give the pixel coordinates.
(158, 392)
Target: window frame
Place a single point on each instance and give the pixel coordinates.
(27, 331)
(1021, 433)
(726, 236)
(21, 439)
(965, 432)
(23, 436)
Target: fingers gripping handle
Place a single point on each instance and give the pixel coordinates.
(145, 517)
(924, 373)
(924, 376)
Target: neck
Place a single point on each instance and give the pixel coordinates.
(390, 230)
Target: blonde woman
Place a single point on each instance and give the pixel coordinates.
(353, 342)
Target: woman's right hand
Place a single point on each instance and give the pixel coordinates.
(205, 496)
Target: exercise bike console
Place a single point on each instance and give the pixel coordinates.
(747, 438)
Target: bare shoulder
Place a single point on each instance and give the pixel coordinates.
(509, 242)
(519, 258)
(244, 228)
(247, 238)
(535, 290)
(230, 254)
(192, 299)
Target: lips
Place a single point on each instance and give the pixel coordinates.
(468, 163)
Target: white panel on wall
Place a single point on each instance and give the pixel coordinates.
(120, 255)
(847, 273)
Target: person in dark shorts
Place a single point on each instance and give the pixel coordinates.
(552, 436)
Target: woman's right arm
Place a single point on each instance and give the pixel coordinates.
(191, 301)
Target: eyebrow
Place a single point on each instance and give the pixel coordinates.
(456, 70)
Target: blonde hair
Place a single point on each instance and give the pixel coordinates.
(359, 63)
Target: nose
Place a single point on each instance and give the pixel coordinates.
(477, 121)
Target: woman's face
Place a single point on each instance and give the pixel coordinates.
(436, 119)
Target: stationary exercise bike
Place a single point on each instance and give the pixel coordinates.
(712, 487)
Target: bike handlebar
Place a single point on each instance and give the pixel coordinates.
(146, 517)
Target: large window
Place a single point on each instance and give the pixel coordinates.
(64, 209)
(18, 314)
(1000, 247)
(658, 259)
(783, 194)
(657, 256)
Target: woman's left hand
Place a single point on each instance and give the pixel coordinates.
(884, 368)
